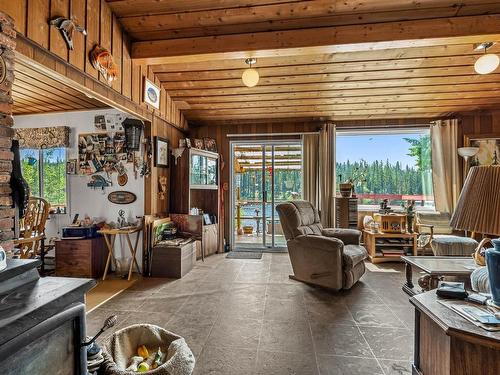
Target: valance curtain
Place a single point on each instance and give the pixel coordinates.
(40, 138)
(327, 175)
(310, 156)
(446, 179)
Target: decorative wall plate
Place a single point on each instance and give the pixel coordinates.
(151, 93)
(122, 179)
(122, 197)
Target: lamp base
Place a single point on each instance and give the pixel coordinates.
(492, 304)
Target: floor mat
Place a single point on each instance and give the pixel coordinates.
(244, 255)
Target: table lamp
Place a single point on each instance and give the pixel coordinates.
(478, 210)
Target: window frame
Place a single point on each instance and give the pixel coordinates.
(378, 131)
(41, 174)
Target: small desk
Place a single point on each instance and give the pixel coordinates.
(447, 344)
(435, 268)
(110, 237)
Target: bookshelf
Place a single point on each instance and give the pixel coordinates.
(389, 247)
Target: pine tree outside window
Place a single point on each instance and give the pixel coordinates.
(45, 172)
(393, 165)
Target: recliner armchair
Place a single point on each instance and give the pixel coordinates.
(331, 258)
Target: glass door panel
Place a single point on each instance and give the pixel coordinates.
(263, 176)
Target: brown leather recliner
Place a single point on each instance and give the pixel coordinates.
(331, 258)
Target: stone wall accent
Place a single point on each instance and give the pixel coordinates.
(7, 47)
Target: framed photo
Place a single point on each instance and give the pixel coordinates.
(151, 94)
(71, 166)
(210, 144)
(162, 152)
(197, 143)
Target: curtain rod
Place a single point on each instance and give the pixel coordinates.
(267, 134)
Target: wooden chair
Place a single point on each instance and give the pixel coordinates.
(32, 229)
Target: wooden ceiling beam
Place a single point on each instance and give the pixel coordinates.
(401, 54)
(404, 34)
(189, 25)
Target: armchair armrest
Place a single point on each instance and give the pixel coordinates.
(347, 236)
(429, 226)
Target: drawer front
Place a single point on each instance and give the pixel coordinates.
(73, 260)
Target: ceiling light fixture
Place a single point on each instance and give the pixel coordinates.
(487, 63)
(250, 76)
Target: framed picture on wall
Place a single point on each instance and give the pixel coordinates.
(488, 149)
(71, 166)
(162, 152)
(151, 94)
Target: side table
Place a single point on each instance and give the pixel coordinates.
(447, 344)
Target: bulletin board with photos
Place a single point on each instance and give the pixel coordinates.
(97, 151)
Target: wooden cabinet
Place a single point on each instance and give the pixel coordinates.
(81, 258)
(195, 184)
(389, 247)
(346, 212)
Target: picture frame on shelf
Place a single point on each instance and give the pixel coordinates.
(210, 144)
(162, 152)
(151, 94)
(197, 143)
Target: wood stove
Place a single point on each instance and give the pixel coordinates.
(42, 321)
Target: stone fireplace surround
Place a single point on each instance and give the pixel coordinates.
(7, 47)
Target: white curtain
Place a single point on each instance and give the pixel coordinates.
(446, 179)
(327, 175)
(310, 168)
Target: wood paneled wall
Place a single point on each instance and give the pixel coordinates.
(32, 21)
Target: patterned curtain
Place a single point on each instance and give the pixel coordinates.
(39, 138)
(327, 175)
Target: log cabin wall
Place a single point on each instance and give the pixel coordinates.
(44, 46)
(7, 46)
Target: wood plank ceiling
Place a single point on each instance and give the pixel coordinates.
(34, 92)
(431, 81)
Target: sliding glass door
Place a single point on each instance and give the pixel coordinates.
(262, 176)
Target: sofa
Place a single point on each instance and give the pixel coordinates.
(327, 257)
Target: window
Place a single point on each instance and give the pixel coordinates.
(387, 165)
(45, 172)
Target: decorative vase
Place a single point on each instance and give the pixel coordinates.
(345, 189)
(493, 264)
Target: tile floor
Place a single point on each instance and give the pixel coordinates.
(246, 317)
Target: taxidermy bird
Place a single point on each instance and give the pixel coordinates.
(68, 27)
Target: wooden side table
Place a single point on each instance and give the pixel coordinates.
(110, 237)
(447, 344)
(399, 241)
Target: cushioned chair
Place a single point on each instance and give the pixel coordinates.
(331, 258)
(436, 234)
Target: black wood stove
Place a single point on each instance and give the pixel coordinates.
(42, 321)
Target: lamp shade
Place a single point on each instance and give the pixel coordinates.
(250, 77)
(478, 208)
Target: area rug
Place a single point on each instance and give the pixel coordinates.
(244, 255)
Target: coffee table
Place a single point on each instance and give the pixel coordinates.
(435, 268)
